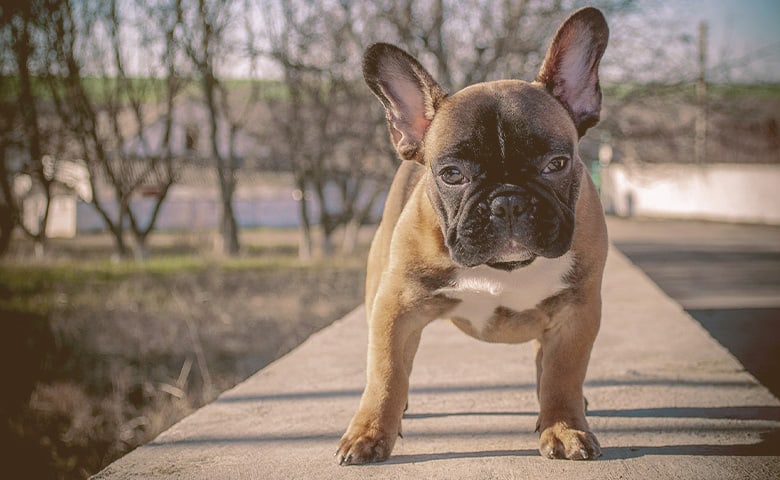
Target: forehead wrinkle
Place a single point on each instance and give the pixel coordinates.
(501, 139)
(509, 120)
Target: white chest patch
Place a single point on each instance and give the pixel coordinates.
(483, 289)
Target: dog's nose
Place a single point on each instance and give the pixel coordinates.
(508, 207)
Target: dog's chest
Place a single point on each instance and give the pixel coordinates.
(483, 289)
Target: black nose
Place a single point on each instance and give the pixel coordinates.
(508, 207)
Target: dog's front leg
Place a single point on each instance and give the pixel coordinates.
(394, 331)
(562, 354)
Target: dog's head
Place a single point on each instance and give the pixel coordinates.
(504, 169)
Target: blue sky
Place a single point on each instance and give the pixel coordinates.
(740, 29)
(658, 41)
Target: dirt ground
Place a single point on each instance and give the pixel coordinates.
(100, 357)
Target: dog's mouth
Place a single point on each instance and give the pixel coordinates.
(511, 257)
(509, 266)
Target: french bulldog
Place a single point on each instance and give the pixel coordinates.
(492, 222)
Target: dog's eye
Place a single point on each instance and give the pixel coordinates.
(452, 176)
(555, 165)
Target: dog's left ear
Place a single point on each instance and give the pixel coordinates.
(570, 71)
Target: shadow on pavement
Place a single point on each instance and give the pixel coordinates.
(714, 271)
(752, 336)
(768, 446)
(430, 457)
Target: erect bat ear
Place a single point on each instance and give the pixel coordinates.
(570, 71)
(408, 92)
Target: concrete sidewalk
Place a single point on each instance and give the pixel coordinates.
(666, 401)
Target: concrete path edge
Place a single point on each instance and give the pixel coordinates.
(666, 401)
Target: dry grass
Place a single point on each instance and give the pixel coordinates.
(101, 357)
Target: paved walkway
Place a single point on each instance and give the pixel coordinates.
(666, 400)
(726, 276)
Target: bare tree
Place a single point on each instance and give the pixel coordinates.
(205, 38)
(22, 26)
(120, 126)
(9, 212)
(330, 130)
(466, 42)
(24, 51)
(653, 108)
(474, 41)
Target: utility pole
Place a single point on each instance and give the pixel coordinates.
(700, 144)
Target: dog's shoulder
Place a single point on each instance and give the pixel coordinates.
(406, 179)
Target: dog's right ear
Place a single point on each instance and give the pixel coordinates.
(409, 93)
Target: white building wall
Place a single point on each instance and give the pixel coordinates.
(724, 192)
(62, 215)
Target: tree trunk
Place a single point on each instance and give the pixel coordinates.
(140, 248)
(8, 211)
(229, 227)
(117, 229)
(7, 224)
(42, 238)
(327, 240)
(32, 133)
(304, 242)
(121, 251)
(141, 234)
(227, 182)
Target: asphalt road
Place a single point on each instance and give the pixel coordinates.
(726, 276)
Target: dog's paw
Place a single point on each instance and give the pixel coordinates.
(560, 441)
(364, 445)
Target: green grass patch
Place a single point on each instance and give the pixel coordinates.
(146, 89)
(737, 91)
(21, 277)
(71, 271)
(731, 91)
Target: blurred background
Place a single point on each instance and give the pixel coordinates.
(189, 186)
